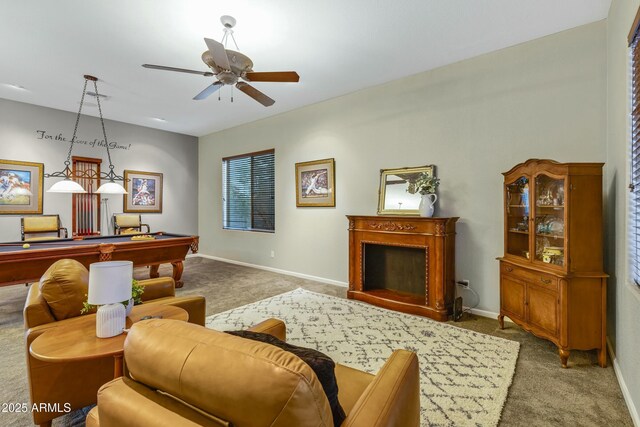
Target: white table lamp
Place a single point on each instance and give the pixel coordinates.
(109, 286)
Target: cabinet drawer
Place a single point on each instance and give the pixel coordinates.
(547, 281)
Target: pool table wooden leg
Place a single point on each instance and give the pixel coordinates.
(153, 271)
(178, 267)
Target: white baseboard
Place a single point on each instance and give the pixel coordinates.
(486, 313)
(277, 270)
(633, 411)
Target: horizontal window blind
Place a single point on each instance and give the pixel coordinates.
(248, 191)
(634, 185)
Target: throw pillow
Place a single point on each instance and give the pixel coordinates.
(321, 364)
(64, 287)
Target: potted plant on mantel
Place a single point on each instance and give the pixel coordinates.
(426, 185)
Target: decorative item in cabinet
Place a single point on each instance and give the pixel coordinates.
(552, 282)
(517, 216)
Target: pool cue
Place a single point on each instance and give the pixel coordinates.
(81, 197)
(84, 203)
(33, 245)
(90, 200)
(79, 211)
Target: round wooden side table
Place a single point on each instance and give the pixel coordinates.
(76, 338)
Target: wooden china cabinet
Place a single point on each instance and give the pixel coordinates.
(552, 282)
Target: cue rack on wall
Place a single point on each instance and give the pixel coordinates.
(86, 207)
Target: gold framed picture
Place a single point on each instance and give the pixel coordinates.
(315, 183)
(21, 187)
(144, 192)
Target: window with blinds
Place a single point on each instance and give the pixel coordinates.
(634, 185)
(248, 187)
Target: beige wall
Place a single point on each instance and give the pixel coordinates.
(473, 120)
(624, 296)
(152, 150)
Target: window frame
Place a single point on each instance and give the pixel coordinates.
(634, 149)
(251, 155)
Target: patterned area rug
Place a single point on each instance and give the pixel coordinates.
(465, 375)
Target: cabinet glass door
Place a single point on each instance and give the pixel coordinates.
(549, 230)
(517, 206)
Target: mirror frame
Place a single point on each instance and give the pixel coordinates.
(430, 169)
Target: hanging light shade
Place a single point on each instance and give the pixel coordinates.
(111, 187)
(68, 185)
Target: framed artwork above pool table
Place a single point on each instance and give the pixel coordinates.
(145, 192)
(21, 187)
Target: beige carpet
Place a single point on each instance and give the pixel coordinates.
(464, 375)
(542, 394)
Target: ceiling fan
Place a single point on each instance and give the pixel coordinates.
(230, 67)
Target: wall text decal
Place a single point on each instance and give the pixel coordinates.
(99, 143)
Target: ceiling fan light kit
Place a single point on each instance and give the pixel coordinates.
(67, 185)
(230, 67)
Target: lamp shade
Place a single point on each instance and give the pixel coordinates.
(111, 188)
(110, 282)
(66, 186)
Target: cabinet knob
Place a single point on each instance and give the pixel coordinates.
(509, 269)
(543, 280)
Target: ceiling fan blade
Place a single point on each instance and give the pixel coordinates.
(255, 94)
(180, 70)
(208, 91)
(275, 76)
(218, 53)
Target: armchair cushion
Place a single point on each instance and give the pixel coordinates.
(130, 231)
(322, 365)
(64, 287)
(41, 224)
(225, 375)
(127, 220)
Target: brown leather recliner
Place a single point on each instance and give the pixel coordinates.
(59, 296)
(185, 375)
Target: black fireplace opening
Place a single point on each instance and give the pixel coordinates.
(394, 268)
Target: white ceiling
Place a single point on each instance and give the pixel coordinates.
(337, 47)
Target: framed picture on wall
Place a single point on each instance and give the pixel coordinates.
(144, 192)
(21, 187)
(315, 183)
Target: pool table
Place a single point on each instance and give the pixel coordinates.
(26, 265)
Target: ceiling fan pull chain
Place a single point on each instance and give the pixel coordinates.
(231, 93)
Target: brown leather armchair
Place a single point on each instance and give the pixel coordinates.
(186, 375)
(59, 296)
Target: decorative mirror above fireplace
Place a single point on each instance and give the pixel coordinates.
(397, 194)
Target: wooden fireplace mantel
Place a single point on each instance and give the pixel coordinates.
(403, 252)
